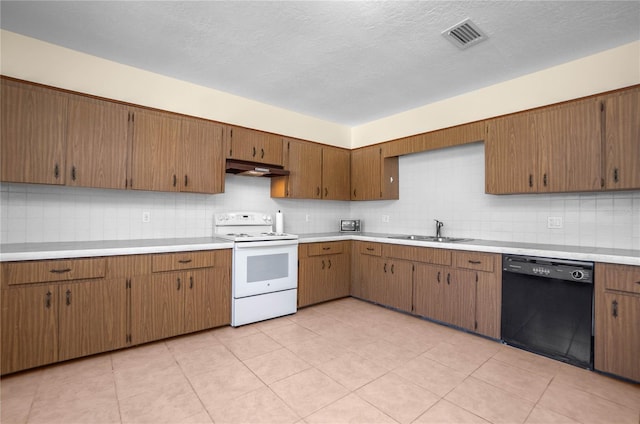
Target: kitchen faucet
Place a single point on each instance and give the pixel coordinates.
(439, 225)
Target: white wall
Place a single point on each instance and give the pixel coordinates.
(40, 213)
(34, 60)
(448, 185)
(608, 70)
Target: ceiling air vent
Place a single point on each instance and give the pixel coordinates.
(464, 34)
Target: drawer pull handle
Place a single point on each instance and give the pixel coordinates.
(370, 249)
(185, 261)
(68, 297)
(326, 248)
(385, 267)
(475, 262)
(438, 277)
(392, 269)
(191, 282)
(329, 263)
(60, 271)
(448, 279)
(179, 284)
(614, 308)
(323, 264)
(47, 300)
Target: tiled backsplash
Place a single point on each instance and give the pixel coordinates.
(445, 184)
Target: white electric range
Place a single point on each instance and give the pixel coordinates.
(265, 267)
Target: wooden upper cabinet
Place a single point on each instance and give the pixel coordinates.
(511, 155)
(155, 140)
(254, 146)
(365, 174)
(622, 140)
(202, 157)
(304, 162)
(33, 134)
(336, 173)
(569, 139)
(97, 143)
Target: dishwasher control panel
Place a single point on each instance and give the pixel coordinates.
(549, 268)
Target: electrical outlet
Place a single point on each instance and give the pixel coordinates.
(307, 218)
(146, 216)
(554, 222)
(385, 218)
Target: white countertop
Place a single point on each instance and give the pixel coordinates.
(580, 253)
(83, 249)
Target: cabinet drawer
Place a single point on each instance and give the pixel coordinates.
(618, 277)
(418, 254)
(330, 248)
(474, 260)
(54, 270)
(183, 260)
(373, 249)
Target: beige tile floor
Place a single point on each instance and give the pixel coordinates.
(342, 361)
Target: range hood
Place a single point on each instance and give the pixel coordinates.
(254, 169)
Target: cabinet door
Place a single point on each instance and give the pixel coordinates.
(460, 298)
(33, 131)
(304, 162)
(429, 285)
(155, 140)
(157, 306)
(336, 173)
(511, 155)
(398, 285)
(338, 275)
(202, 158)
(93, 317)
(97, 144)
(311, 280)
(570, 147)
(621, 337)
(29, 327)
(365, 174)
(255, 146)
(207, 299)
(488, 298)
(622, 140)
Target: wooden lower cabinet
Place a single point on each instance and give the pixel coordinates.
(62, 309)
(29, 327)
(323, 277)
(617, 320)
(446, 295)
(169, 303)
(93, 317)
(397, 285)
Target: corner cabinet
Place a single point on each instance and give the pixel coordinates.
(315, 172)
(324, 272)
(254, 146)
(617, 320)
(373, 177)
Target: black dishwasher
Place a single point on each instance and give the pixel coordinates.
(547, 307)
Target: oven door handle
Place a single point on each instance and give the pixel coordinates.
(267, 243)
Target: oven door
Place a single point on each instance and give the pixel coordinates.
(264, 267)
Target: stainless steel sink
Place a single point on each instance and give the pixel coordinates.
(431, 238)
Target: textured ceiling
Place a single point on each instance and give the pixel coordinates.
(345, 62)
